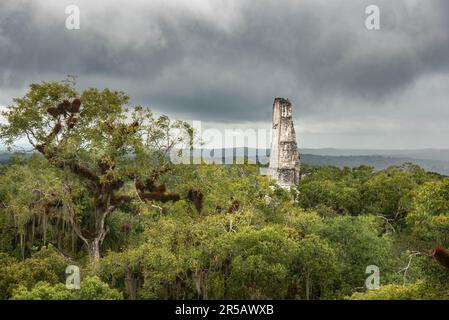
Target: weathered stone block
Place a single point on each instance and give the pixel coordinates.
(284, 157)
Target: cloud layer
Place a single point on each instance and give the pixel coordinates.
(223, 62)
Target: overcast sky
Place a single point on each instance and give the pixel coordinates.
(224, 61)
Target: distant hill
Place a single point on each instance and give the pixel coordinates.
(4, 157)
(435, 160)
(425, 154)
(376, 161)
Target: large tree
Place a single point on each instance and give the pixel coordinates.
(101, 147)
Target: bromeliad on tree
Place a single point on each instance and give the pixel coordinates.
(96, 141)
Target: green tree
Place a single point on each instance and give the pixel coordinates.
(429, 218)
(357, 243)
(45, 265)
(260, 265)
(337, 189)
(97, 151)
(42, 291)
(317, 268)
(391, 292)
(388, 194)
(91, 288)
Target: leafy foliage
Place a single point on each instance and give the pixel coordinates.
(91, 288)
(102, 189)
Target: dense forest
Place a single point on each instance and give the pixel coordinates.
(99, 191)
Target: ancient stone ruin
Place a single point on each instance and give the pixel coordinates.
(284, 155)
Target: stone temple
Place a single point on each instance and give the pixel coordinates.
(284, 156)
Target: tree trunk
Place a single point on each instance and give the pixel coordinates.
(93, 247)
(93, 243)
(131, 285)
(307, 286)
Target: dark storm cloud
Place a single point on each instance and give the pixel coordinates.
(225, 61)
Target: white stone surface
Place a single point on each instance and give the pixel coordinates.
(284, 157)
